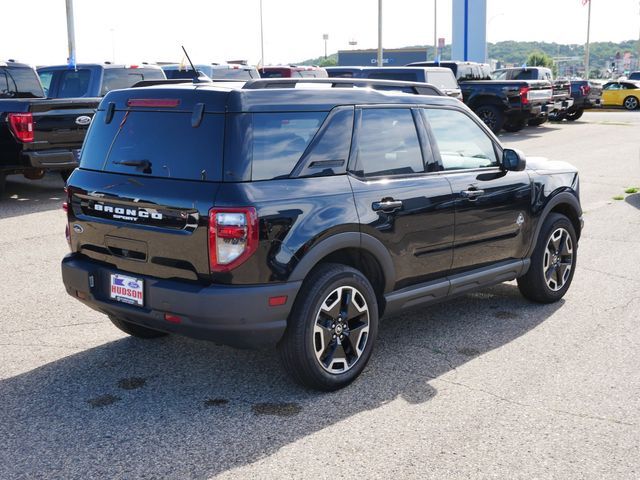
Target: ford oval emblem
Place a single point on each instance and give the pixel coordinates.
(77, 228)
(83, 120)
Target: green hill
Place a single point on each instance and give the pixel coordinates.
(512, 52)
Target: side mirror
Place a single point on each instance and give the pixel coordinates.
(513, 160)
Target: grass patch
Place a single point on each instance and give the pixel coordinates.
(619, 197)
(631, 190)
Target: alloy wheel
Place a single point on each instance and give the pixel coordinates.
(631, 103)
(341, 330)
(558, 259)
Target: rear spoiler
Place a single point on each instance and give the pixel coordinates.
(408, 87)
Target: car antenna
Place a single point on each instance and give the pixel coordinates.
(196, 78)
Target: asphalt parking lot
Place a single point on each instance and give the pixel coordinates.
(485, 386)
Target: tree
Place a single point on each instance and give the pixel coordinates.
(539, 59)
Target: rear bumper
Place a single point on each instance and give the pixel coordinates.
(238, 316)
(53, 159)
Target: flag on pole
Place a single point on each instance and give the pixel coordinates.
(584, 2)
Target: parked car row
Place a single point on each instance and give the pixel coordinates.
(508, 99)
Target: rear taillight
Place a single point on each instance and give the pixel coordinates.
(524, 95)
(233, 237)
(21, 125)
(585, 89)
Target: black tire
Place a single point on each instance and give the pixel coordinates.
(135, 330)
(514, 125)
(631, 103)
(536, 122)
(315, 343)
(492, 116)
(545, 270)
(573, 115)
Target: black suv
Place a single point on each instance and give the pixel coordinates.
(268, 215)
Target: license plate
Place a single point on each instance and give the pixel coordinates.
(127, 289)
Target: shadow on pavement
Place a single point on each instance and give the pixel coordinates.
(23, 196)
(633, 200)
(529, 132)
(180, 408)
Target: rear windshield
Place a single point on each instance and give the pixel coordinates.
(404, 77)
(177, 74)
(233, 73)
(19, 82)
(117, 78)
(156, 144)
(74, 83)
(442, 79)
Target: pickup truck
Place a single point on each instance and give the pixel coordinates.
(508, 104)
(38, 134)
(93, 80)
(585, 95)
(439, 77)
(561, 101)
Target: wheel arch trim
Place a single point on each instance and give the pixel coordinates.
(342, 241)
(562, 198)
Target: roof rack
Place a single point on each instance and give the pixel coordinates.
(407, 87)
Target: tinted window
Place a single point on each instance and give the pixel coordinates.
(388, 143)
(329, 151)
(74, 83)
(272, 74)
(163, 143)
(117, 78)
(19, 82)
(173, 74)
(280, 139)
(231, 73)
(442, 79)
(634, 76)
(461, 141)
(523, 75)
(45, 79)
(405, 77)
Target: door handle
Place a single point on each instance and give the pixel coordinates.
(472, 194)
(387, 205)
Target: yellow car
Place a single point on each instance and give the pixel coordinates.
(621, 94)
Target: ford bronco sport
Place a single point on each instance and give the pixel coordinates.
(267, 213)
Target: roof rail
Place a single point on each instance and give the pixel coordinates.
(407, 87)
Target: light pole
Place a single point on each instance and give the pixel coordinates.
(71, 35)
(113, 46)
(261, 39)
(380, 33)
(435, 30)
(486, 44)
(325, 37)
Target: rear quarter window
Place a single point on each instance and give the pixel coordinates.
(279, 140)
(164, 144)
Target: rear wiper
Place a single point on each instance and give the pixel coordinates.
(144, 165)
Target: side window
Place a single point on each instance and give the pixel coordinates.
(461, 141)
(45, 79)
(387, 143)
(74, 83)
(403, 77)
(279, 140)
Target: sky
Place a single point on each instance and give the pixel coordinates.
(132, 31)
